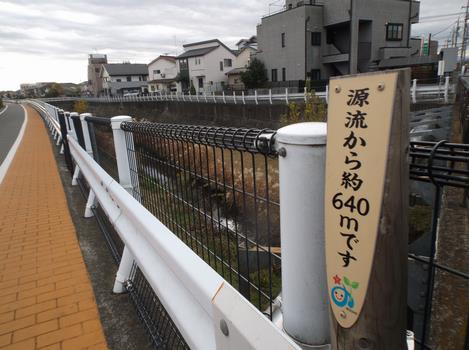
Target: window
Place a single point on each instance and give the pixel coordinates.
(284, 74)
(144, 78)
(221, 66)
(315, 38)
(315, 74)
(156, 71)
(129, 78)
(201, 83)
(197, 61)
(283, 39)
(96, 70)
(118, 80)
(228, 62)
(394, 31)
(273, 75)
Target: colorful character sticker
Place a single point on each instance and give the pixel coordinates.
(341, 294)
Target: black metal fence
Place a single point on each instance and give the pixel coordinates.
(217, 190)
(438, 273)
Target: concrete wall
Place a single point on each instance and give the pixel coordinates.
(253, 116)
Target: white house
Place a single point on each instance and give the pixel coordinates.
(242, 61)
(205, 64)
(162, 72)
(122, 78)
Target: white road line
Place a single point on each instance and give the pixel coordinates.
(11, 154)
(4, 110)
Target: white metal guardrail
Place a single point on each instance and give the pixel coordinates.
(419, 93)
(207, 310)
(52, 119)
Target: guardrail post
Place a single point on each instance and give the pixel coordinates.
(414, 91)
(286, 95)
(91, 202)
(122, 159)
(123, 169)
(65, 147)
(223, 94)
(327, 93)
(255, 97)
(446, 89)
(234, 97)
(302, 150)
(244, 101)
(74, 134)
(270, 96)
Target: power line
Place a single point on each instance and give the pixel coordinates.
(441, 31)
(443, 15)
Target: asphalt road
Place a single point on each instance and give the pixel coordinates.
(10, 124)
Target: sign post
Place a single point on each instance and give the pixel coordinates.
(366, 208)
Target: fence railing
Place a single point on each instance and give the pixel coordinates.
(198, 208)
(419, 93)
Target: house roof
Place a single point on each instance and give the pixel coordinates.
(126, 69)
(236, 71)
(163, 57)
(215, 42)
(251, 40)
(197, 52)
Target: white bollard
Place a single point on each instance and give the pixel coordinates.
(302, 158)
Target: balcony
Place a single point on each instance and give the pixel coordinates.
(393, 52)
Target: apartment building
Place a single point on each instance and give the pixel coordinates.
(319, 39)
(95, 83)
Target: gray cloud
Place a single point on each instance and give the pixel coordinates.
(66, 31)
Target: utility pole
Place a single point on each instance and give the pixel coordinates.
(464, 36)
(456, 34)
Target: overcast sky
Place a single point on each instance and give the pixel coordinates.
(48, 40)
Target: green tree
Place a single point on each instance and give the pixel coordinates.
(255, 76)
(1, 103)
(192, 90)
(55, 90)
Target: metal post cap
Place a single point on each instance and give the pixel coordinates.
(303, 134)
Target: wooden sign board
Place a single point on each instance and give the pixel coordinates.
(359, 124)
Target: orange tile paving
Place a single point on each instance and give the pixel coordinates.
(46, 299)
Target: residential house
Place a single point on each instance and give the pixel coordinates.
(204, 65)
(244, 55)
(319, 39)
(162, 72)
(95, 83)
(121, 78)
(251, 42)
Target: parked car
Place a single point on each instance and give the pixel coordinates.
(128, 94)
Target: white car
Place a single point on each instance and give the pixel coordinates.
(128, 94)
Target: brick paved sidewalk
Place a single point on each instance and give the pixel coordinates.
(46, 299)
